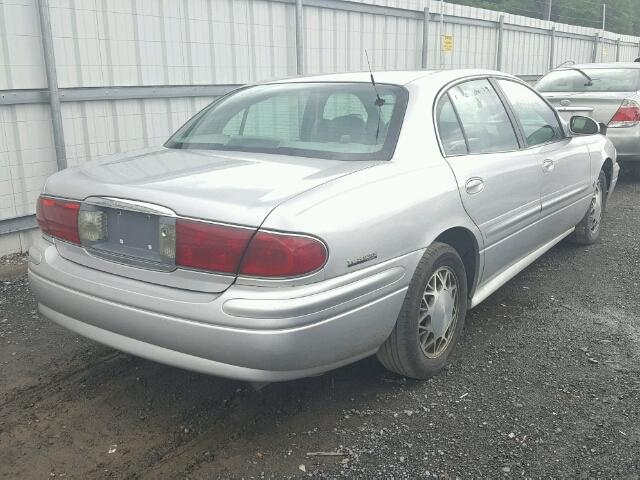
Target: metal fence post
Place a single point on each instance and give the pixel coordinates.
(596, 43)
(552, 49)
(500, 43)
(618, 50)
(52, 83)
(425, 37)
(299, 38)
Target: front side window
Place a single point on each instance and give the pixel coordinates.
(537, 119)
(602, 80)
(484, 119)
(343, 121)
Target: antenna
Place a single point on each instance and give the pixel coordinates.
(379, 100)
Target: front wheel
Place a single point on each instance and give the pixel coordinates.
(432, 316)
(588, 230)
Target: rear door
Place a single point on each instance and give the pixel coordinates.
(564, 161)
(499, 183)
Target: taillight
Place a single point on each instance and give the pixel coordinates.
(58, 218)
(209, 246)
(628, 115)
(228, 249)
(273, 254)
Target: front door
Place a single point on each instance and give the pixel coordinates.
(565, 162)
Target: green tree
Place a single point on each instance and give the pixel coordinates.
(623, 16)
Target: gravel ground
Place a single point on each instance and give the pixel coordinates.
(546, 383)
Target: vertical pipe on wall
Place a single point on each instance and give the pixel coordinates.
(299, 38)
(500, 43)
(52, 83)
(618, 50)
(552, 48)
(596, 43)
(425, 37)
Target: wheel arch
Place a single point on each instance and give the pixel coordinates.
(466, 244)
(607, 167)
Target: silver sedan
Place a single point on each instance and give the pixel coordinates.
(607, 92)
(293, 227)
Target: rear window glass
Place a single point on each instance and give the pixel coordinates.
(603, 80)
(343, 121)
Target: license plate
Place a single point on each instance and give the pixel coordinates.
(133, 238)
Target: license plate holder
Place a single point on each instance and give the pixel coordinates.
(132, 238)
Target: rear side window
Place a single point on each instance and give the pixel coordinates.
(484, 119)
(451, 135)
(537, 119)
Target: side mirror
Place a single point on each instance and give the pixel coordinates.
(583, 126)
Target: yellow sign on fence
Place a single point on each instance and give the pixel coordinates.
(447, 43)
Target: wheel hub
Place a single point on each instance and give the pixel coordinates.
(442, 315)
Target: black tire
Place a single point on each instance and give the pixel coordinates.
(585, 233)
(402, 352)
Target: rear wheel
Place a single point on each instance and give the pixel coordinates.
(588, 230)
(432, 316)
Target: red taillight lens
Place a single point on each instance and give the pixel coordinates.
(628, 115)
(58, 218)
(281, 255)
(208, 246)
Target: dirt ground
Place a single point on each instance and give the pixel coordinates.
(546, 383)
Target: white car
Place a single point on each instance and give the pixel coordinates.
(293, 227)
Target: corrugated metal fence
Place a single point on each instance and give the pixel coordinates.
(123, 74)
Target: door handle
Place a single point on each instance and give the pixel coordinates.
(548, 165)
(474, 185)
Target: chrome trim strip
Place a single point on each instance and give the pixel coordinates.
(131, 205)
(574, 109)
(563, 197)
(510, 219)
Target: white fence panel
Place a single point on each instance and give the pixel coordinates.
(155, 43)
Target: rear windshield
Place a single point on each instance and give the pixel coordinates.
(343, 121)
(603, 80)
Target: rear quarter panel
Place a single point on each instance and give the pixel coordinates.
(600, 149)
(386, 211)
(389, 210)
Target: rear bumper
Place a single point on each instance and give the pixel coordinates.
(247, 333)
(627, 143)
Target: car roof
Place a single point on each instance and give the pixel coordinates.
(604, 65)
(393, 77)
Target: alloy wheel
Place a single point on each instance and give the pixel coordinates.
(595, 210)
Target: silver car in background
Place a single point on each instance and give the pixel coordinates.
(607, 92)
(296, 226)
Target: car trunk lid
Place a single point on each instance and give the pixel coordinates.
(139, 194)
(600, 106)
